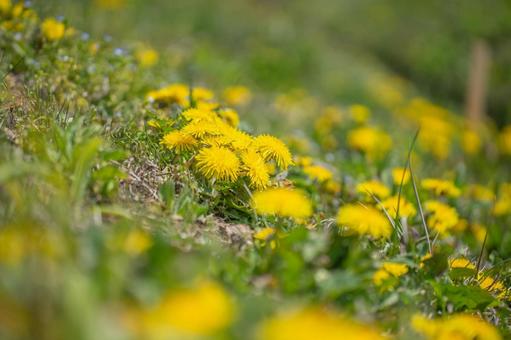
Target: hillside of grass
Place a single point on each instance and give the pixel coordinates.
(177, 190)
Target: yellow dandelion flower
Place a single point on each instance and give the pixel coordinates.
(230, 116)
(388, 270)
(179, 141)
(318, 173)
(371, 141)
(441, 187)
(396, 269)
(480, 193)
(373, 187)
(202, 94)
(200, 129)
(199, 115)
(458, 326)
(255, 169)
(364, 220)
(201, 310)
(239, 140)
(315, 323)
(443, 218)
(505, 140)
(332, 186)
(52, 29)
(359, 113)
(406, 209)
(273, 148)
(237, 95)
(172, 94)
(397, 176)
(5, 6)
(147, 57)
(264, 234)
(461, 262)
(282, 202)
(303, 161)
(219, 163)
(493, 286)
(136, 242)
(471, 142)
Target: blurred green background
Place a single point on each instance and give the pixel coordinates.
(327, 47)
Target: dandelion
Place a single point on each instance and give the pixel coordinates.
(397, 176)
(461, 262)
(201, 310)
(371, 141)
(5, 6)
(282, 202)
(136, 242)
(273, 148)
(199, 115)
(389, 270)
(364, 220)
(441, 187)
(406, 209)
(373, 187)
(255, 169)
(147, 57)
(218, 163)
(471, 142)
(237, 95)
(318, 173)
(443, 217)
(314, 323)
(264, 234)
(202, 94)
(480, 193)
(458, 326)
(230, 116)
(179, 141)
(172, 94)
(52, 29)
(505, 140)
(359, 113)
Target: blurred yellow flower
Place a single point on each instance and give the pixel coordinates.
(359, 113)
(480, 193)
(371, 141)
(471, 142)
(458, 326)
(373, 187)
(201, 310)
(442, 217)
(147, 57)
(230, 116)
(52, 29)
(172, 94)
(461, 262)
(283, 202)
(318, 173)
(441, 187)
(400, 174)
(237, 95)
(218, 163)
(505, 140)
(388, 270)
(314, 323)
(264, 234)
(137, 242)
(364, 220)
(406, 209)
(5, 6)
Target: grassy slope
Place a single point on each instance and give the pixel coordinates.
(81, 170)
